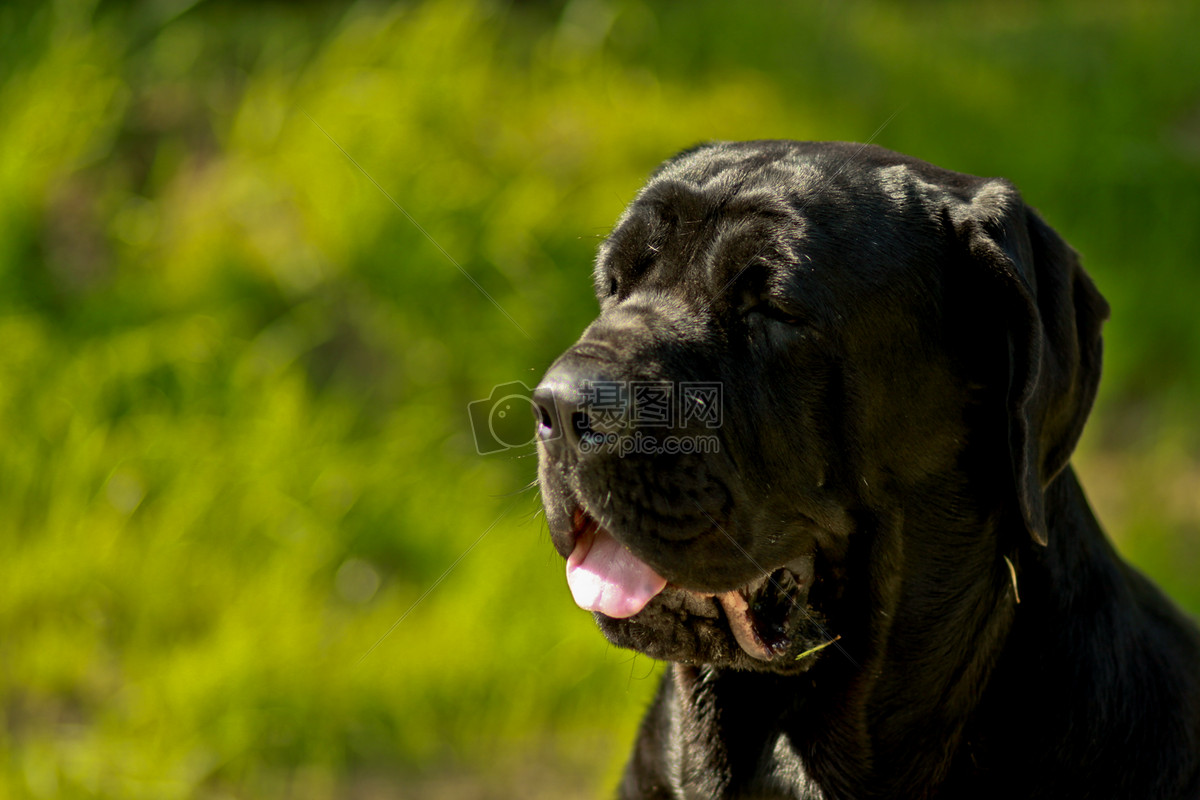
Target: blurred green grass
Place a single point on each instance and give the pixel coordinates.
(234, 377)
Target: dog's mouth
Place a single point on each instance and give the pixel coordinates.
(606, 577)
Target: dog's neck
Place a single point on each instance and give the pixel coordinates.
(1092, 639)
(931, 641)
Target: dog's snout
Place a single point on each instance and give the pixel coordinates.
(560, 405)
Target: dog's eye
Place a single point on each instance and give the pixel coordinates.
(773, 312)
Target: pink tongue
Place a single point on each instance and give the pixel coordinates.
(604, 576)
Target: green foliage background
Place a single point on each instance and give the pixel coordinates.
(247, 546)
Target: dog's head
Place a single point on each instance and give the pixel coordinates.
(807, 356)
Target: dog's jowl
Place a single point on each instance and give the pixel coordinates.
(814, 451)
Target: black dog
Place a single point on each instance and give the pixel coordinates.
(814, 451)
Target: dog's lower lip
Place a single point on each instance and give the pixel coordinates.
(743, 624)
(758, 622)
(761, 635)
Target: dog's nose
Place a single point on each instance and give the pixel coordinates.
(560, 405)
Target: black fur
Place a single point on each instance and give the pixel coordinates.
(907, 356)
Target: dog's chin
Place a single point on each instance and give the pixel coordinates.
(765, 626)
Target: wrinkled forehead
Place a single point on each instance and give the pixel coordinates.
(836, 236)
(682, 221)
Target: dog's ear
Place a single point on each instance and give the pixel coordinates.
(1053, 313)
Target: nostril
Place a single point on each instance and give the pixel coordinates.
(560, 410)
(544, 418)
(544, 414)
